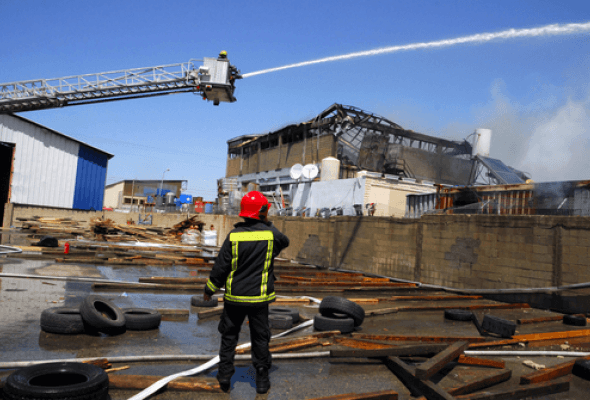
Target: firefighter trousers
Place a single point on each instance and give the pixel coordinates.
(229, 326)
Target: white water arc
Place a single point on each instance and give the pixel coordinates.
(480, 38)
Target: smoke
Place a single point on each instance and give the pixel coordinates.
(558, 148)
(480, 38)
(549, 139)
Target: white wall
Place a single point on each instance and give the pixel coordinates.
(330, 194)
(45, 164)
(112, 195)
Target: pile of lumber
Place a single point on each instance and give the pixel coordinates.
(107, 230)
(58, 227)
(190, 223)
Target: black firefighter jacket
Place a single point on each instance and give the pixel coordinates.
(245, 264)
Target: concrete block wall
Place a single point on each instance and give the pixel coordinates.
(461, 251)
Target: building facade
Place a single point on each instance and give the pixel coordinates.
(43, 167)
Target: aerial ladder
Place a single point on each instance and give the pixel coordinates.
(214, 79)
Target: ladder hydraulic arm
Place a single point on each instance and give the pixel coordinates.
(214, 80)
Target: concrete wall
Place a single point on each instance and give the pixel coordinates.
(113, 194)
(461, 251)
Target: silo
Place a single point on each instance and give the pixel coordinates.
(483, 139)
(330, 169)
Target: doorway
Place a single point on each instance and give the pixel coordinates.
(6, 157)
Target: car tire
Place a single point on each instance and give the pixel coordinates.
(331, 305)
(581, 369)
(280, 321)
(58, 381)
(498, 326)
(285, 311)
(102, 315)
(323, 323)
(575, 320)
(65, 320)
(141, 319)
(458, 315)
(197, 301)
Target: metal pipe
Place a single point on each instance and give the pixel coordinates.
(162, 358)
(69, 279)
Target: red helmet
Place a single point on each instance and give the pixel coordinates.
(253, 203)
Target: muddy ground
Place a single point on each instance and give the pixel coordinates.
(21, 339)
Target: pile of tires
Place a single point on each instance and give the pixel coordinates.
(98, 315)
(58, 381)
(282, 317)
(338, 313)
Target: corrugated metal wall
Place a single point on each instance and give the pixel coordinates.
(45, 164)
(90, 179)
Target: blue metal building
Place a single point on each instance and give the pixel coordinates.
(48, 168)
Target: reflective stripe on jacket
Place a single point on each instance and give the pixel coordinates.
(245, 263)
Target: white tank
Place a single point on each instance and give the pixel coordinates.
(330, 169)
(483, 139)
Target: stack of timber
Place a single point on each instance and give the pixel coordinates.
(107, 230)
(62, 228)
(191, 223)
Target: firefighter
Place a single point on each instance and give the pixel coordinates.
(245, 266)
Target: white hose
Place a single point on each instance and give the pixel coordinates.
(164, 381)
(9, 249)
(526, 353)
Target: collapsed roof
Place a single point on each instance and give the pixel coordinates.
(371, 142)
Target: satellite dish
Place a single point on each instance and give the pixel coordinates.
(310, 171)
(296, 171)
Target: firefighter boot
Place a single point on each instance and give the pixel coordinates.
(224, 380)
(262, 381)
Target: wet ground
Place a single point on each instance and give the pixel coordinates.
(21, 339)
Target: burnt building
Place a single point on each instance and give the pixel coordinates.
(343, 141)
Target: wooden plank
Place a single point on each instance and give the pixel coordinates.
(417, 386)
(210, 313)
(553, 335)
(431, 298)
(482, 362)
(436, 363)
(303, 344)
(163, 279)
(482, 383)
(534, 390)
(173, 311)
(140, 382)
(146, 286)
(496, 343)
(524, 321)
(466, 307)
(340, 284)
(383, 395)
(548, 374)
(360, 344)
(393, 351)
(557, 342)
(433, 339)
(381, 311)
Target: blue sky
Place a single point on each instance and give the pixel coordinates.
(533, 92)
